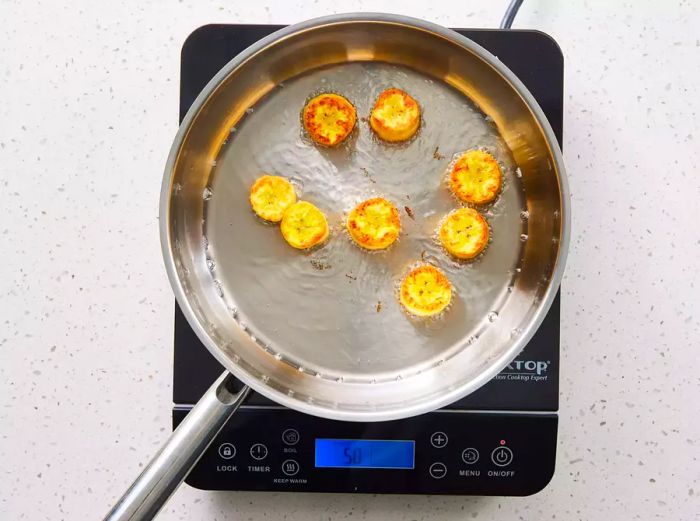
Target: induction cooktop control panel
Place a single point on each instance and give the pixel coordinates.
(445, 452)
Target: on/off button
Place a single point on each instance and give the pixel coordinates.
(502, 456)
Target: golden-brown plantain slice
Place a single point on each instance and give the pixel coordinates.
(329, 119)
(374, 224)
(476, 177)
(464, 233)
(270, 196)
(304, 226)
(395, 116)
(425, 291)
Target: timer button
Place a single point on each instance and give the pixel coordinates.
(290, 437)
(438, 440)
(438, 470)
(290, 467)
(470, 456)
(258, 451)
(502, 456)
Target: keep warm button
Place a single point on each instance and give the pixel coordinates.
(290, 467)
(502, 456)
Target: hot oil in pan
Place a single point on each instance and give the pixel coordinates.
(334, 310)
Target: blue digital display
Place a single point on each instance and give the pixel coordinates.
(367, 454)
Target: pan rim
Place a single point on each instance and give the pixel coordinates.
(440, 399)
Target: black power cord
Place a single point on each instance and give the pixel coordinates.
(512, 10)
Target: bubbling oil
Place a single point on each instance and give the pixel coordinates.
(333, 312)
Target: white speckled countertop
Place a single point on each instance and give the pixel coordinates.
(89, 110)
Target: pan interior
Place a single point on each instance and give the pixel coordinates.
(333, 311)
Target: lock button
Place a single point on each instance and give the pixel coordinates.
(227, 450)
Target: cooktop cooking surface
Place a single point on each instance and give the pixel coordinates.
(500, 440)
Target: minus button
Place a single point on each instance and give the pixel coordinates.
(438, 470)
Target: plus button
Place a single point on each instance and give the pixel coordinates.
(438, 440)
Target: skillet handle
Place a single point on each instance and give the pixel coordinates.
(186, 444)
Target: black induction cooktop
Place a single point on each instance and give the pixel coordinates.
(500, 440)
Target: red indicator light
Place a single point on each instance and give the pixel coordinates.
(503, 442)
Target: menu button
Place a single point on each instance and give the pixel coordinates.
(470, 456)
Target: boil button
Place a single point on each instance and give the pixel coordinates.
(290, 437)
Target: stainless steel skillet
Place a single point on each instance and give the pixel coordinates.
(312, 339)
